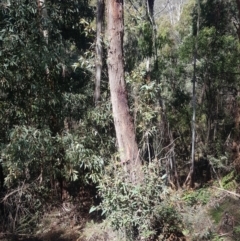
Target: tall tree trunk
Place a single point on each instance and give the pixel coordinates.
(150, 6)
(42, 11)
(123, 122)
(237, 112)
(99, 27)
(167, 134)
(150, 14)
(190, 178)
(238, 28)
(236, 134)
(1, 178)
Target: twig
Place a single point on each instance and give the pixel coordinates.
(136, 8)
(226, 234)
(219, 181)
(233, 193)
(13, 192)
(19, 234)
(8, 195)
(167, 146)
(162, 9)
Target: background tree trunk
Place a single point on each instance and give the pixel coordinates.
(99, 26)
(238, 27)
(190, 177)
(237, 112)
(123, 122)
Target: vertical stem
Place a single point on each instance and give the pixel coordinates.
(237, 115)
(99, 26)
(150, 13)
(238, 28)
(194, 100)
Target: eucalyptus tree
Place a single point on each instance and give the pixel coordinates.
(216, 68)
(191, 175)
(221, 65)
(144, 72)
(126, 139)
(121, 211)
(237, 25)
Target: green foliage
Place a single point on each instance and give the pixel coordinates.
(217, 51)
(82, 160)
(30, 96)
(33, 154)
(145, 41)
(215, 13)
(230, 205)
(229, 182)
(145, 108)
(48, 129)
(51, 131)
(217, 238)
(221, 166)
(139, 209)
(236, 232)
(200, 196)
(39, 91)
(27, 153)
(184, 25)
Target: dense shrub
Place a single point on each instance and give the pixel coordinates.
(138, 209)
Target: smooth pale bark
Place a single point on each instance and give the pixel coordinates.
(123, 121)
(98, 64)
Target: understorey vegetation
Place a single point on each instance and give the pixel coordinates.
(119, 120)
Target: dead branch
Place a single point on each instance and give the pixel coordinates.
(23, 187)
(167, 146)
(233, 193)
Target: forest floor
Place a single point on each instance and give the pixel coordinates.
(213, 215)
(203, 212)
(209, 213)
(67, 225)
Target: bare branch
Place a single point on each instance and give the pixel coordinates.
(232, 193)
